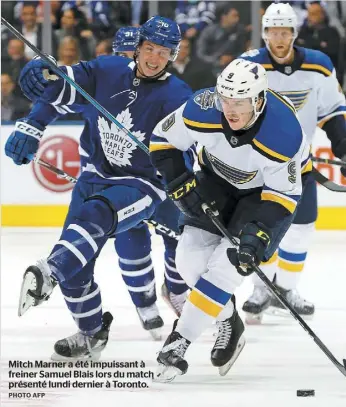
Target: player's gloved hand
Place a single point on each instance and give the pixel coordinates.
(23, 142)
(188, 194)
(34, 78)
(254, 239)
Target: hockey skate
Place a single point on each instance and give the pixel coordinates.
(229, 343)
(80, 346)
(171, 358)
(151, 320)
(299, 304)
(174, 301)
(37, 286)
(257, 304)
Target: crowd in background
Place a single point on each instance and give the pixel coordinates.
(213, 33)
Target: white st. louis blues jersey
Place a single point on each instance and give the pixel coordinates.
(271, 155)
(310, 83)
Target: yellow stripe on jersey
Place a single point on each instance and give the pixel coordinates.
(271, 260)
(267, 66)
(289, 205)
(317, 68)
(282, 100)
(307, 167)
(269, 151)
(295, 267)
(159, 146)
(202, 125)
(205, 305)
(323, 122)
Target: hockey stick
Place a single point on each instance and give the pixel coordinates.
(216, 221)
(329, 161)
(78, 88)
(161, 228)
(325, 182)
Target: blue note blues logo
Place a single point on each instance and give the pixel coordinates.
(298, 97)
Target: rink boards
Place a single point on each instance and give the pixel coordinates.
(32, 196)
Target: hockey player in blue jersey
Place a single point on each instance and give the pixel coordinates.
(252, 159)
(134, 246)
(307, 77)
(118, 187)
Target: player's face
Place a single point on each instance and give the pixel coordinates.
(280, 40)
(152, 58)
(126, 54)
(238, 112)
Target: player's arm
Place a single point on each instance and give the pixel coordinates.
(280, 195)
(38, 84)
(332, 111)
(169, 141)
(24, 141)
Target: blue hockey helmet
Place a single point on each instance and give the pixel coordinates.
(125, 39)
(161, 31)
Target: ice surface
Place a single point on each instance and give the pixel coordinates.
(279, 357)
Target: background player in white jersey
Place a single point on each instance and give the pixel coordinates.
(253, 152)
(308, 79)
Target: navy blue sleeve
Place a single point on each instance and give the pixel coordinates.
(336, 132)
(43, 113)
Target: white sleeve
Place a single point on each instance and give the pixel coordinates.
(283, 181)
(331, 99)
(171, 132)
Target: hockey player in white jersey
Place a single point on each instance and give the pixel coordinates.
(308, 78)
(253, 157)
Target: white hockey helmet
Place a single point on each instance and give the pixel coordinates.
(280, 15)
(242, 79)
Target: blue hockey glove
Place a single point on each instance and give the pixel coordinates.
(34, 77)
(23, 142)
(254, 240)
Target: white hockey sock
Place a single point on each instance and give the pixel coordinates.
(269, 268)
(205, 303)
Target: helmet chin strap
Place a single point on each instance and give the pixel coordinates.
(256, 113)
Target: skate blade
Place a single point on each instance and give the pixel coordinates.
(95, 356)
(223, 370)
(156, 334)
(166, 374)
(253, 319)
(167, 301)
(280, 312)
(26, 301)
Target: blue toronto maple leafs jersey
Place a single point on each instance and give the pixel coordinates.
(106, 151)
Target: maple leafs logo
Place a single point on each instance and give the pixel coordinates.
(117, 146)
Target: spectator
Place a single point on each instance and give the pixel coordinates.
(32, 30)
(191, 70)
(221, 42)
(104, 47)
(15, 61)
(68, 52)
(12, 107)
(194, 16)
(55, 13)
(72, 25)
(316, 33)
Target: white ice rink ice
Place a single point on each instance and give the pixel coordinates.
(278, 359)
